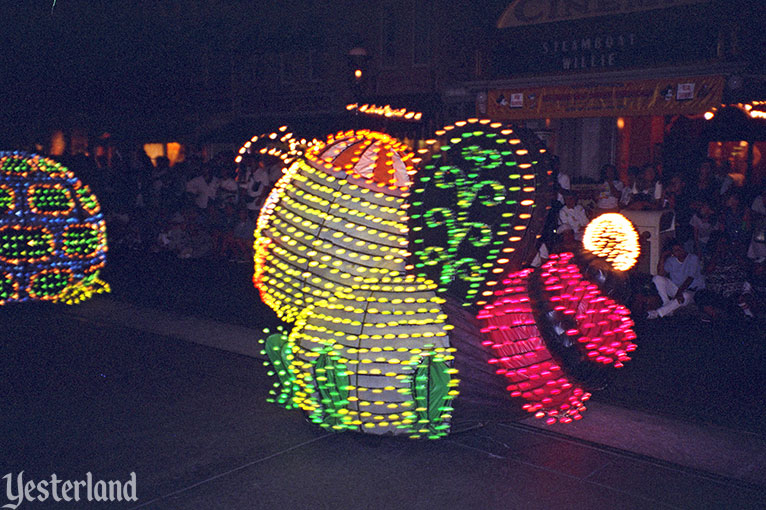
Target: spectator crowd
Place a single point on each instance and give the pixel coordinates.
(208, 207)
(195, 208)
(717, 259)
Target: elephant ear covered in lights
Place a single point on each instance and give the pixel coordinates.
(369, 349)
(477, 207)
(52, 233)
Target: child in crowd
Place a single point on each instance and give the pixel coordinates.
(238, 244)
(703, 223)
(726, 283)
(573, 215)
(608, 196)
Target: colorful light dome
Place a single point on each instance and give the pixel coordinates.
(375, 159)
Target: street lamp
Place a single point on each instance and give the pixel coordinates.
(357, 61)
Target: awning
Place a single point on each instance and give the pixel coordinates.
(672, 96)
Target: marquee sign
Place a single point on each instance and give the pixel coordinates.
(535, 12)
(623, 40)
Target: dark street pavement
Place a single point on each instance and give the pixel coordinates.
(162, 378)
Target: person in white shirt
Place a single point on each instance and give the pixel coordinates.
(255, 186)
(627, 191)
(573, 215)
(227, 187)
(679, 278)
(203, 187)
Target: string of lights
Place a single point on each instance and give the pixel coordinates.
(385, 111)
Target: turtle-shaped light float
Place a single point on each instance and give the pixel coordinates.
(369, 350)
(364, 255)
(52, 233)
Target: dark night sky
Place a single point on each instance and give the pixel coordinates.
(114, 64)
(109, 63)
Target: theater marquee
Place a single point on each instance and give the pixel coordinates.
(533, 12)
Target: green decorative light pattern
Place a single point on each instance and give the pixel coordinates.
(46, 199)
(472, 204)
(30, 244)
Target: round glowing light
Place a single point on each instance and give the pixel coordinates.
(709, 115)
(613, 237)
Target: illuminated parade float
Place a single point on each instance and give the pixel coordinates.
(52, 233)
(389, 267)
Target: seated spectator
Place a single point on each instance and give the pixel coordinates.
(275, 171)
(542, 255)
(573, 215)
(608, 197)
(646, 193)
(227, 187)
(184, 235)
(627, 191)
(219, 224)
(679, 277)
(705, 189)
(172, 236)
(254, 186)
(726, 283)
(672, 191)
(703, 223)
(238, 244)
(723, 181)
(203, 187)
(679, 198)
(198, 242)
(735, 220)
(563, 180)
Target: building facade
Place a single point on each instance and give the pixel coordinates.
(623, 82)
